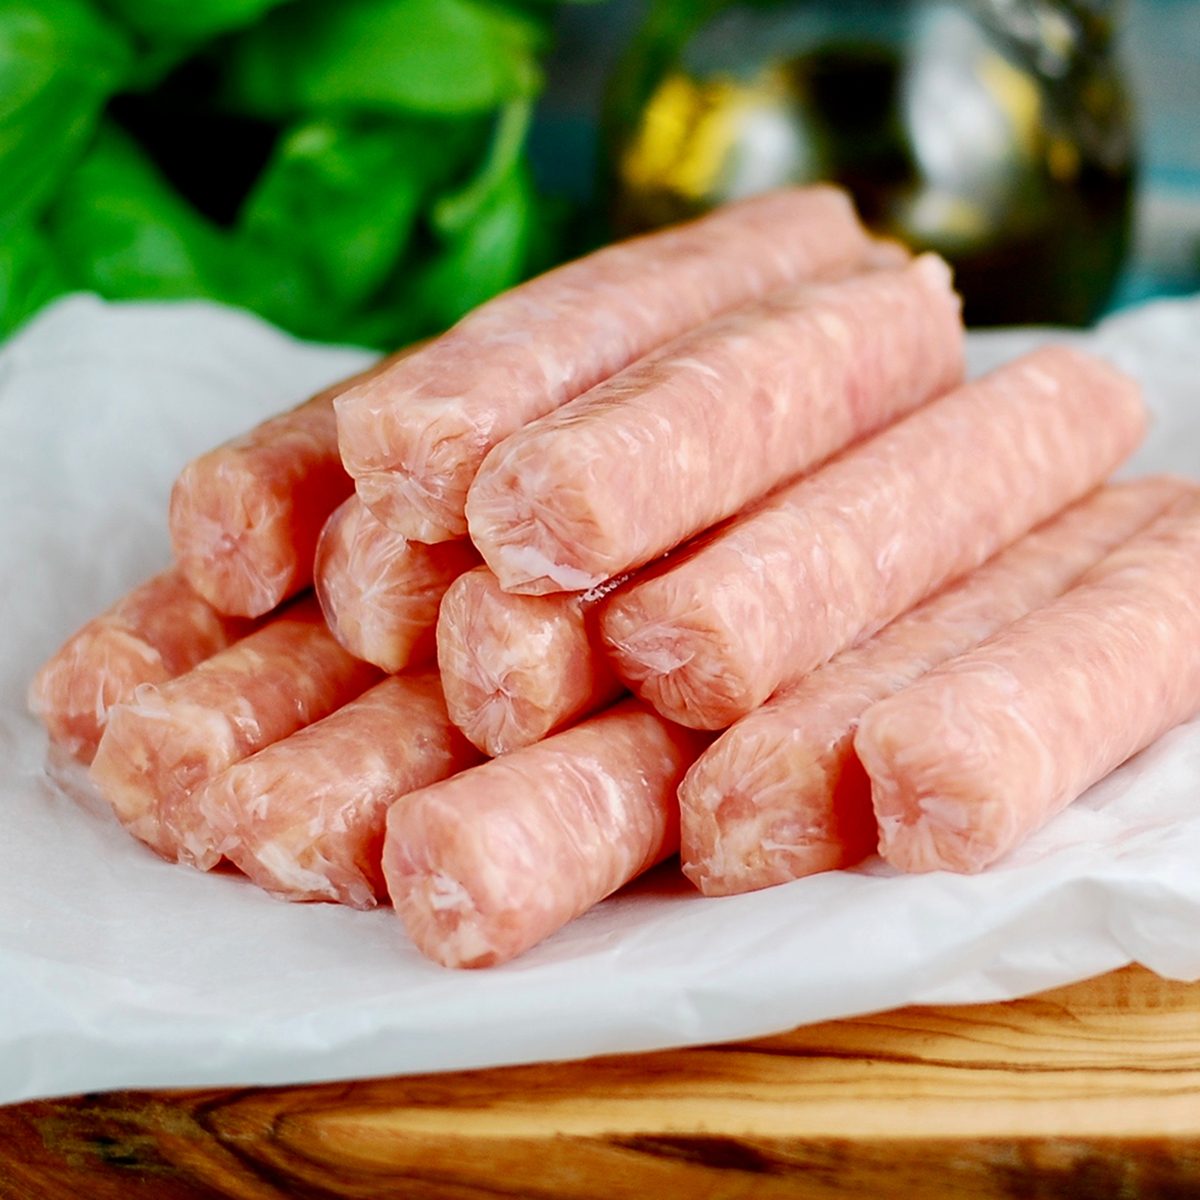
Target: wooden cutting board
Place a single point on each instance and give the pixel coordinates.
(1090, 1091)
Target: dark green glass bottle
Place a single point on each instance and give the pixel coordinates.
(997, 132)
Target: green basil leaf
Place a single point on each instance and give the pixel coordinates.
(58, 62)
(456, 210)
(485, 258)
(189, 20)
(342, 195)
(438, 57)
(122, 232)
(430, 291)
(29, 276)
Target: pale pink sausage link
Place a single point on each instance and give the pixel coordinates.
(971, 759)
(244, 518)
(304, 817)
(414, 438)
(517, 668)
(159, 630)
(691, 433)
(485, 865)
(168, 740)
(781, 794)
(379, 591)
(829, 560)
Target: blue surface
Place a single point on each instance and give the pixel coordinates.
(1162, 48)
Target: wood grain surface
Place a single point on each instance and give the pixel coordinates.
(1090, 1091)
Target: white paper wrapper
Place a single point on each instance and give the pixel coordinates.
(117, 970)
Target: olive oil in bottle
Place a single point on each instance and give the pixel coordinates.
(996, 132)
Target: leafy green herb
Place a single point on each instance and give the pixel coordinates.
(58, 62)
(486, 255)
(30, 275)
(438, 57)
(121, 231)
(188, 20)
(356, 189)
(368, 157)
(456, 210)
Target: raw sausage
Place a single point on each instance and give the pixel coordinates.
(304, 817)
(827, 561)
(244, 517)
(379, 591)
(971, 759)
(781, 794)
(169, 739)
(691, 433)
(516, 668)
(487, 864)
(414, 437)
(161, 629)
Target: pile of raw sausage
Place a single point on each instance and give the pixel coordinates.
(731, 468)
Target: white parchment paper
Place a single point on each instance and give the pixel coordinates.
(117, 970)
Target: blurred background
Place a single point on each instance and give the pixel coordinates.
(367, 171)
